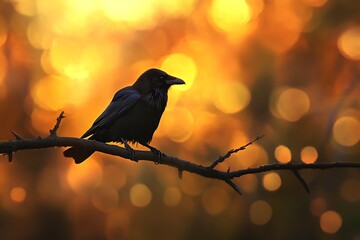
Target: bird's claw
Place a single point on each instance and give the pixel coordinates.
(130, 150)
(158, 155)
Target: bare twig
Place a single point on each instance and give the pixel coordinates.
(17, 136)
(53, 132)
(229, 153)
(301, 180)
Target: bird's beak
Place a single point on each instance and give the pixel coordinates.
(173, 80)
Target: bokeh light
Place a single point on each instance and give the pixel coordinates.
(330, 222)
(230, 15)
(260, 212)
(140, 195)
(183, 66)
(215, 200)
(308, 154)
(178, 124)
(232, 97)
(292, 104)
(56, 92)
(271, 181)
(172, 196)
(18, 194)
(84, 177)
(349, 43)
(346, 131)
(139, 13)
(282, 154)
(248, 183)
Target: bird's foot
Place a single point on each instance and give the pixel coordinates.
(156, 152)
(130, 150)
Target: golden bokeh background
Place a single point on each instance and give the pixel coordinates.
(288, 69)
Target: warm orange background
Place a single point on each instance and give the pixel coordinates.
(288, 69)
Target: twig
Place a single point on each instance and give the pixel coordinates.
(53, 132)
(301, 180)
(17, 136)
(229, 153)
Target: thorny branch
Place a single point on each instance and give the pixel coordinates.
(20, 143)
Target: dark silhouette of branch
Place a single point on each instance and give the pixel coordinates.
(229, 153)
(20, 143)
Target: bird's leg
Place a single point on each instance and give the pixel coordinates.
(129, 149)
(155, 151)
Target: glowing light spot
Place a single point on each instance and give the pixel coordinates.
(191, 185)
(280, 28)
(84, 177)
(55, 92)
(18, 194)
(254, 156)
(183, 67)
(215, 200)
(330, 222)
(230, 15)
(260, 212)
(105, 198)
(137, 13)
(282, 154)
(349, 43)
(292, 104)
(176, 7)
(232, 97)
(82, 7)
(271, 181)
(308, 154)
(349, 190)
(178, 124)
(25, 7)
(140, 195)
(346, 131)
(248, 183)
(172, 196)
(318, 206)
(315, 3)
(39, 36)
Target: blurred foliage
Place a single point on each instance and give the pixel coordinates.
(285, 68)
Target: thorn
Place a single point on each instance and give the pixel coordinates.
(10, 156)
(17, 136)
(180, 172)
(234, 186)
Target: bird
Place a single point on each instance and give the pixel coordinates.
(132, 116)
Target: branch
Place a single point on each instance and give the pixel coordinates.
(11, 146)
(229, 153)
(53, 132)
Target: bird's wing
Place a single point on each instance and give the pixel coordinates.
(123, 100)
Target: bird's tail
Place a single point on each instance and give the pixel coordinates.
(78, 154)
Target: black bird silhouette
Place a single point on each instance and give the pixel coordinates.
(133, 114)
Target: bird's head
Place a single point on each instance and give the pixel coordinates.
(155, 79)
